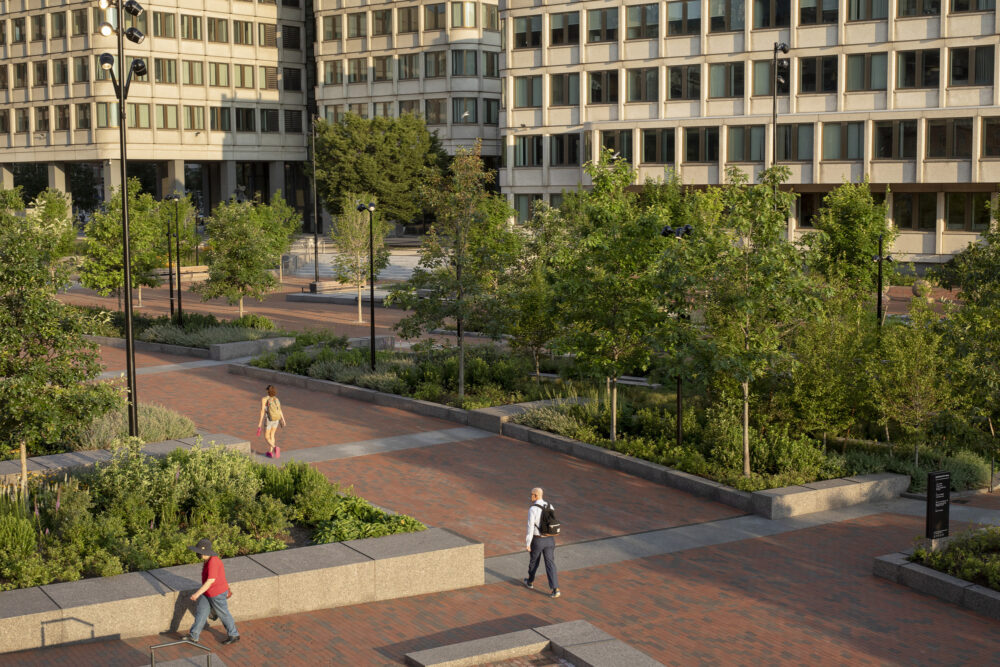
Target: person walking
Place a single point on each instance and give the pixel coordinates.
(270, 409)
(540, 545)
(213, 594)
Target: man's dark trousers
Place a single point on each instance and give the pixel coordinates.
(543, 546)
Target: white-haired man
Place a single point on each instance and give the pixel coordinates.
(540, 545)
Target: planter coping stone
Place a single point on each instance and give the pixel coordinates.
(24, 601)
(188, 577)
(99, 590)
(391, 546)
(573, 633)
(307, 559)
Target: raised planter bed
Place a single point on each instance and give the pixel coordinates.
(263, 585)
(897, 568)
(217, 352)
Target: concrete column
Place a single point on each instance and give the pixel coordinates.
(276, 179)
(173, 182)
(6, 177)
(227, 179)
(57, 176)
(111, 172)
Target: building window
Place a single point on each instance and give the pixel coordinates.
(81, 69)
(163, 25)
(242, 76)
(867, 71)
(291, 78)
(463, 15)
(463, 62)
(406, 19)
(382, 22)
(243, 33)
(4, 121)
(491, 64)
(643, 84)
(642, 21)
(973, 5)
(434, 17)
(164, 71)
(293, 121)
(434, 64)
(967, 211)
(701, 144)
(218, 75)
(20, 75)
(80, 22)
(602, 25)
(190, 27)
(771, 13)
(333, 73)
(192, 73)
(604, 87)
(524, 206)
(912, 210)
(107, 114)
(219, 119)
(267, 35)
(991, 137)
(725, 80)
(564, 150)
(17, 32)
(725, 15)
(795, 142)
(382, 109)
(138, 115)
(41, 78)
(357, 70)
(357, 25)
(38, 29)
(565, 89)
(949, 138)
(905, 8)
(22, 122)
(436, 113)
(359, 109)
(409, 106)
(814, 12)
(528, 151)
(463, 110)
(269, 78)
(83, 116)
(218, 30)
(843, 141)
(763, 77)
(527, 92)
(331, 28)
(409, 66)
(491, 17)
(818, 74)
(867, 10)
(60, 72)
(4, 82)
(972, 66)
(491, 112)
(166, 116)
(619, 142)
(382, 68)
(194, 118)
(59, 31)
(684, 82)
(244, 120)
(746, 143)
(918, 69)
(564, 29)
(658, 146)
(42, 119)
(527, 32)
(895, 140)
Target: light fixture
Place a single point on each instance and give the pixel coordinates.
(107, 61)
(132, 7)
(107, 29)
(139, 67)
(135, 35)
(104, 4)
(781, 47)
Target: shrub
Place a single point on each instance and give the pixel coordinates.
(156, 424)
(973, 556)
(172, 334)
(252, 321)
(384, 381)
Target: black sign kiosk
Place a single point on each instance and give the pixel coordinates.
(938, 500)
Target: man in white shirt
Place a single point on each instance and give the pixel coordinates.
(539, 545)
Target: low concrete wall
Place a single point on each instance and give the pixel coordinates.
(828, 494)
(10, 471)
(247, 348)
(897, 568)
(263, 585)
(493, 419)
(144, 346)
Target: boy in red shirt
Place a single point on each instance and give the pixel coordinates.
(212, 595)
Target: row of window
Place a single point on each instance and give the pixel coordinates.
(164, 71)
(464, 62)
(435, 17)
(141, 115)
(217, 29)
(949, 138)
(464, 110)
(970, 66)
(684, 18)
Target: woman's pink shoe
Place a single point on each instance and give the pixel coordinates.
(268, 455)
(277, 452)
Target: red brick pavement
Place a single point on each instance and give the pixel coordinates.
(805, 597)
(990, 501)
(481, 489)
(113, 359)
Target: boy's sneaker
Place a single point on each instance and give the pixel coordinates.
(527, 584)
(555, 593)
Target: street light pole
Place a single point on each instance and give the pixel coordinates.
(170, 270)
(315, 218)
(371, 275)
(880, 258)
(678, 233)
(177, 238)
(774, 100)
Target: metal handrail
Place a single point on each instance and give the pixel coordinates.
(152, 657)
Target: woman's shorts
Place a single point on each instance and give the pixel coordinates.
(271, 424)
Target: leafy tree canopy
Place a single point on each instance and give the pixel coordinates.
(350, 235)
(975, 271)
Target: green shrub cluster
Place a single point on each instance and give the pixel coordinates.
(156, 424)
(172, 334)
(973, 556)
(136, 513)
(104, 322)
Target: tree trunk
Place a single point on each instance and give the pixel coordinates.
(607, 390)
(538, 372)
(24, 471)
(614, 408)
(887, 440)
(746, 429)
(241, 306)
(119, 293)
(139, 294)
(360, 316)
(461, 362)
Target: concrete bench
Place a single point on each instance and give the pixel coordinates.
(323, 286)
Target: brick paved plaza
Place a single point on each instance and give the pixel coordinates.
(805, 595)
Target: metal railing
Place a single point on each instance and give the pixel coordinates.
(152, 650)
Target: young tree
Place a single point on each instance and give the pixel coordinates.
(50, 212)
(245, 244)
(102, 267)
(46, 366)
(350, 236)
(464, 257)
(392, 158)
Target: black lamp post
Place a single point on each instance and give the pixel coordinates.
(778, 46)
(170, 267)
(138, 68)
(880, 258)
(678, 233)
(315, 207)
(371, 273)
(176, 198)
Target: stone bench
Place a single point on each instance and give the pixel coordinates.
(263, 585)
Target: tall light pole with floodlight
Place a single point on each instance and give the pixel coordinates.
(313, 120)
(778, 46)
(176, 198)
(121, 84)
(371, 273)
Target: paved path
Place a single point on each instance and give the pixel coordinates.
(685, 580)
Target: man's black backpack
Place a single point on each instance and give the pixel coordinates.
(548, 524)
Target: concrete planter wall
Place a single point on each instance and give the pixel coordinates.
(263, 585)
(897, 568)
(217, 352)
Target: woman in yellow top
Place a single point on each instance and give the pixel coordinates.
(270, 409)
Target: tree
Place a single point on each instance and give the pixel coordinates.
(607, 286)
(463, 258)
(102, 266)
(975, 271)
(50, 213)
(350, 235)
(754, 291)
(174, 215)
(246, 240)
(392, 158)
(848, 228)
(46, 365)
